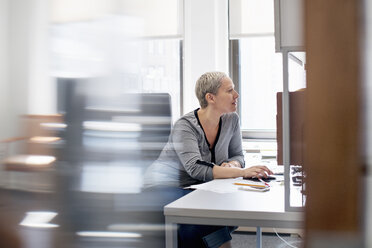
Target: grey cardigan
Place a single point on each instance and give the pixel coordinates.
(186, 159)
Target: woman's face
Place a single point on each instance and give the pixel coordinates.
(226, 97)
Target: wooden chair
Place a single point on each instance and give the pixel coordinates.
(28, 160)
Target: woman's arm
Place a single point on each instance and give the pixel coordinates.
(233, 172)
(185, 142)
(236, 157)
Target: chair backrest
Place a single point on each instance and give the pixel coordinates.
(41, 132)
(121, 127)
(34, 148)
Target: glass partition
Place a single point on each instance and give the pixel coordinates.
(293, 132)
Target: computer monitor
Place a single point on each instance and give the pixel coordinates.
(296, 126)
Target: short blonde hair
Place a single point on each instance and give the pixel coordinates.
(209, 82)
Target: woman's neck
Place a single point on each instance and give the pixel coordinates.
(208, 117)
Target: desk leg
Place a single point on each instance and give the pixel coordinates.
(259, 237)
(170, 234)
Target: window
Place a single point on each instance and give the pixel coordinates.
(261, 77)
(296, 71)
(161, 69)
(260, 68)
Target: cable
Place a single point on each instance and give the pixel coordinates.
(283, 239)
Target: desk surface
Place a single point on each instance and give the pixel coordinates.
(234, 207)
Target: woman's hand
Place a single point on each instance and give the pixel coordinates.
(258, 171)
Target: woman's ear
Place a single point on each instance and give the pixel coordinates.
(209, 97)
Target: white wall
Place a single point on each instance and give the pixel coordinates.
(4, 78)
(205, 43)
(25, 87)
(28, 55)
(42, 94)
(18, 59)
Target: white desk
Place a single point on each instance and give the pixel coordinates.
(234, 208)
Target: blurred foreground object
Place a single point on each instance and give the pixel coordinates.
(109, 141)
(9, 237)
(28, 159)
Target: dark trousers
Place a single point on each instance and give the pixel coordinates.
(191, 236)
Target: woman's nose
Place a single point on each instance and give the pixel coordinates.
(236, 94)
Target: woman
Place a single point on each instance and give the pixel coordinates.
(205, 144)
